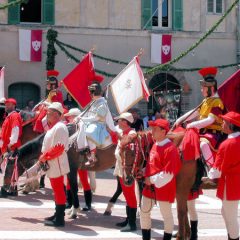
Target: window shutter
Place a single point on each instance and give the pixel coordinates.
(177, 14)
(13, 13)
(146, 14)
(48, 16)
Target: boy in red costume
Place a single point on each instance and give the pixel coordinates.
(227, 169)
(160, 179)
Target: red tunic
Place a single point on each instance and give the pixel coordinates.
(228, 162)
(163, 159)
(11, 121)
(58, 97)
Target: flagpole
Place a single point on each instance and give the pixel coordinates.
(141, 52)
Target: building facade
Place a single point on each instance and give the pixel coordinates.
(118, 29)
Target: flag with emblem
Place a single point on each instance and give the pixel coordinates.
(161, 48)
(2, 82)
(129, 86)
(30, 45)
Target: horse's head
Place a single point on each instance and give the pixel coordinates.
(29, 153)
(134, 154)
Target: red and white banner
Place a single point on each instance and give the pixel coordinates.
(2, 82)
(30, 45)
(78, 80)
(161, 48)
(129, 86)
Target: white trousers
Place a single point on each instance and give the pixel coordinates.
(230, 216)
(165, 209)
(207, 153)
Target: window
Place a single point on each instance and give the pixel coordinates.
(31, 12)
(34, 11)
(162, 14)
(215, 6)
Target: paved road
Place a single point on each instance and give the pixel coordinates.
(22, 217)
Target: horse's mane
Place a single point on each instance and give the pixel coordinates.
(31, 146)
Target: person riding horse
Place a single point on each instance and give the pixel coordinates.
(208, 123)
(10, 142)
(52, 95)
(93, 124)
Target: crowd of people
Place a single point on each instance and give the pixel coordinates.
(219, 134)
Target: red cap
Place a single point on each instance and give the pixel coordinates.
(160, 123)
(11, 100)
(232, 117)
(52, 73)
(208, 71)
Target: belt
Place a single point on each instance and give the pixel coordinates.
(205, 130)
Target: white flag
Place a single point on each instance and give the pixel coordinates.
(129, 86)
(2, 82)
(161, 48)
(30, 45)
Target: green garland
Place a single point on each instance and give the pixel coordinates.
(70, 56)
(12, 4)
(165, 67)
(97, 56)
(51, 50)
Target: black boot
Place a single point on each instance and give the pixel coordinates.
(131, 226)
(125, 222)
(58, 221)
(51, 218)
(42, 182)
(194, 230)
(167, 236)
(3, 193)
(13, 191)
(69, 199)
(146, 234)
(88, 200)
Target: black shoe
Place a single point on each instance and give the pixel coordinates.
(122, 224)
(50, 218)
(54, 223)
(3, 193)
(86, 208)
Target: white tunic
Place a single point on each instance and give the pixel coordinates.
(58, 134)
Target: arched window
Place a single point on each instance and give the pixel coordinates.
(166, 97)
(24, 92)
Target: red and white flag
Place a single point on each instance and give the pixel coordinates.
(2, 82)
(161, 48)
(30, 45)
(129, 86)
(78, 80)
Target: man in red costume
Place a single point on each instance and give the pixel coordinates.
(10, 140)
(54, 148)
(208, 121)
(52, 95)
(124, 122)
(227, 169)
(160, 180)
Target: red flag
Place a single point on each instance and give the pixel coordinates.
(78, 80)
(229, 92)
(30, 45)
